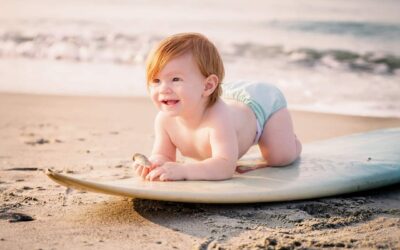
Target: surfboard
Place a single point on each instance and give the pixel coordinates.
(326, 168)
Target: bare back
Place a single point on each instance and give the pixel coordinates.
(245, 122)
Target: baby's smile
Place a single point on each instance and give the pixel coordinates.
(169, 102)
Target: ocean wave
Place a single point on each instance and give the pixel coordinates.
(127, 49)
(369, 62)
(380, 31)
(114, 47)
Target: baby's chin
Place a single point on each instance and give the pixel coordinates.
(168, 111)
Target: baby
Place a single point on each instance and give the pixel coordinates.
(214, 124)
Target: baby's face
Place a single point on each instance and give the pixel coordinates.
(178, 88)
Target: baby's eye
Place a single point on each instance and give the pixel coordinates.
(176, 79)
(155, 81)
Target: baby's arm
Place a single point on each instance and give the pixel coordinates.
(163, 149)
(224, 148)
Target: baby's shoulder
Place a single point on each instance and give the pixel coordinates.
(162, 119)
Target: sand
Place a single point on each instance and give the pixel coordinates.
(96, 136)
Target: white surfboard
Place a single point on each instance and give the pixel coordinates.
(332, 167)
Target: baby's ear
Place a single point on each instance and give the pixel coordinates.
(210, 84)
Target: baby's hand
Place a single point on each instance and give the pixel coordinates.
(169, 171)
(143, 166)
(143, 170)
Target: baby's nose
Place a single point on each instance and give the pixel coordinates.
(165, 87)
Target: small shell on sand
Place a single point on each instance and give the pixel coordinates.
(141, 159)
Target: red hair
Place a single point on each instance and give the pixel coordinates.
(204, 53)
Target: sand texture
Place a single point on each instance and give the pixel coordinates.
(96, 137)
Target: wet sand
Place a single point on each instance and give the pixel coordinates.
(96, 137)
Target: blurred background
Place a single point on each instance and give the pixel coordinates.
(339, 56)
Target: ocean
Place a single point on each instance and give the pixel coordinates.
(326, 56)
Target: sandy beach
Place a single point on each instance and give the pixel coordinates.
(95, 137)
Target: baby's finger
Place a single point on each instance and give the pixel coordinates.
(163, 177)
(150, 175)
(154, 174)
(138, 170)
(135, 166)
(145, 172)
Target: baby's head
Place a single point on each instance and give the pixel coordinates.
(203, 51)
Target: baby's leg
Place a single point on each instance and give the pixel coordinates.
(278, 143)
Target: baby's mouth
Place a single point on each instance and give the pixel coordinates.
(169, 102)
